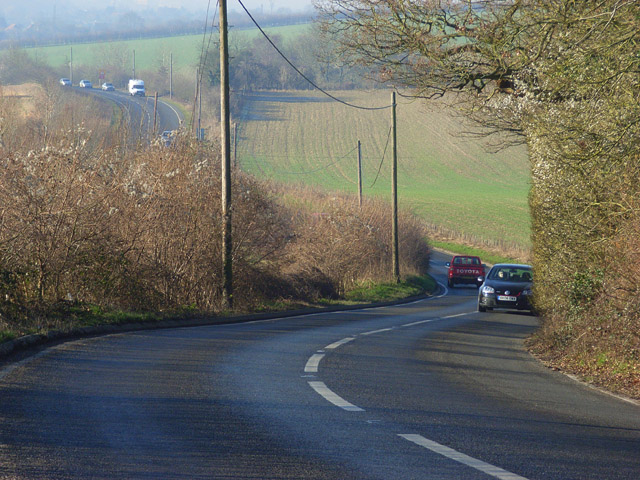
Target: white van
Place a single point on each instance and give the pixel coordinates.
(136, 87)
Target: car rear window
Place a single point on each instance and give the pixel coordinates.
(511, 274)
(466, 261)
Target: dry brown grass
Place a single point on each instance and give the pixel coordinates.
(26, 97)
(349, 244)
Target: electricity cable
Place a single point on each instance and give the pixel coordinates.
(203, 55)
(382, 160)
(302, 74)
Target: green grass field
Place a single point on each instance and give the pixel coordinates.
(150, 52)
(447, 178)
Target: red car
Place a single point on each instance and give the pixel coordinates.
(465, 269)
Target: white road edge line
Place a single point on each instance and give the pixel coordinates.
(172, 108)
(459, 457)
(339, 343)
(4, 372)
(331, 397)
(313, 363)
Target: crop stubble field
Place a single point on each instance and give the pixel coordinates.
(444, 176)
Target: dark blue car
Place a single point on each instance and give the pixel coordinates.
(507, 286)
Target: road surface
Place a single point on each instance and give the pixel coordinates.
(138, 112)
(431, 389)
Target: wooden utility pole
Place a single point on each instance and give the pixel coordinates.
(394, 192)
(134, 64)
(195, 104)
(227, 245)
(155, 113)
(200, 136)
(170, 75)
(359, 174)
(235, 144)
(71, 65)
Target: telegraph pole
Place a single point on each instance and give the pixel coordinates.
(200, 136)
(235, 144)
(71, 65)
(359, 175)
(155, 113)
(134, 64)
(171, 75)
(195, 104)
(394, 191)
(227, 246)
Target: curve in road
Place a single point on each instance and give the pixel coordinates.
(432, 390)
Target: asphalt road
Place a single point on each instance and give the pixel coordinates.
(139, 112)
(426, 390)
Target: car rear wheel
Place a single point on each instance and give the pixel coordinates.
(450, 283)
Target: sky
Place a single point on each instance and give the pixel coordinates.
(26, 11)
(252, 5)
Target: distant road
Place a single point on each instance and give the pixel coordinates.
(139, 111)
(429, 390)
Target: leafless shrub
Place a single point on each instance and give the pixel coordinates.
(140, 228)
(347, 244)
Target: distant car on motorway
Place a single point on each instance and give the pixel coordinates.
(85, 84)
(65, 82)
(465, 269)
(507, 286)
(108, 87)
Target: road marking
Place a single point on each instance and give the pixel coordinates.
(11, 368)
(420, 322)
(460, 315)
(459, 457)
(331, 397)
(174, 110)
(313, 363)
(378, 331)
(339, 343)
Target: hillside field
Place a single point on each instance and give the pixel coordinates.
(151, 53)
(445, 176)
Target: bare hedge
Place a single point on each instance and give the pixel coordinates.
(140, 229)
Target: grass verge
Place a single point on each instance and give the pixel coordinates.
(68, 317)
(386, 292)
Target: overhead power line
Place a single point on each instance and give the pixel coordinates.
(264, 34)
(382, 160)
(204, 52)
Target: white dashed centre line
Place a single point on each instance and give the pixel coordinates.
(378, 331)
(339, 343)
(331, 397)
(313, 363)
(459, 457)
(420, 322)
